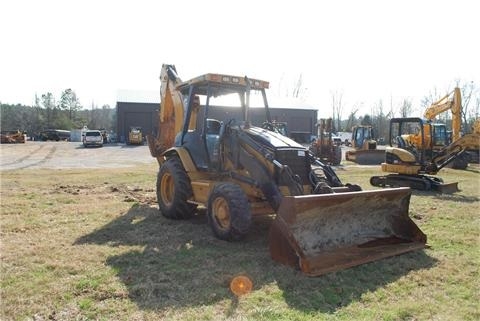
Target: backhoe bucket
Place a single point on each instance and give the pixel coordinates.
(330, 232)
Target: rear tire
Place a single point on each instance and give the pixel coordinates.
(228, 212)
(173, 190)
(337, 155)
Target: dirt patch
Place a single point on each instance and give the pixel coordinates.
(70, 155)
(126, 193)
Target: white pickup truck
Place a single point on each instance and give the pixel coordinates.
(92, 138)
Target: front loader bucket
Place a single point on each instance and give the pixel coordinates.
(330, 232)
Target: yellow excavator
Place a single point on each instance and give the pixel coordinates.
(413, 156)
(450, 102)
(475, 153)
(238, 171)
(365, 151)
(420, 148)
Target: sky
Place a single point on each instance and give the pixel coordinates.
(366, 51)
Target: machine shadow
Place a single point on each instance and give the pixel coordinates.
(130, 146)
(80, 146)
(473, 169)
(456, 197)
(181, 264)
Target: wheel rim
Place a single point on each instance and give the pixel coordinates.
(221, 213)
(167, 189)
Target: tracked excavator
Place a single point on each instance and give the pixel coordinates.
(237, 172)
(413, 159)
(450, 102)
(420, 148)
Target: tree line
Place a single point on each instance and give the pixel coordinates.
(65, 113)
(68, 113)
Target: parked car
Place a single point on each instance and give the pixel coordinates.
(92, 138)
(54, 134)
(336, 140)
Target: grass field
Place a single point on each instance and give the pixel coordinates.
(91, 245)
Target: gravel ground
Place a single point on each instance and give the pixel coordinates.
(71, 155)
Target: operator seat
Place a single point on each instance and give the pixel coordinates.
(401, 142)
(213, 126)
(403, 153)
(213, 140)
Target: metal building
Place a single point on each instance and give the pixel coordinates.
(300, 122)
(141, 109)
(137, 109)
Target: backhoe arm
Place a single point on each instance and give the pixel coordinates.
(450, 152)
(170, 115)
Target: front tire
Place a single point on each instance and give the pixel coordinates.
(174, 190)
(228, 212)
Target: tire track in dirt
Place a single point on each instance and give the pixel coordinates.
(47, 157)
(71, 155)
(21, 159)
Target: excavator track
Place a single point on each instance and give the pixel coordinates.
(417, 182)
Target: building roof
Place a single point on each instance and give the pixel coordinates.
(153, 97)
(138, 96)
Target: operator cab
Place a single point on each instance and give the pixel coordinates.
(201, 134)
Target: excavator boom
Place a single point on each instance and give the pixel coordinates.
(448, 102)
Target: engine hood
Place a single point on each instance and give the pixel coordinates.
(271, 139)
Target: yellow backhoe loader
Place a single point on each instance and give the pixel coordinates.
(238, 171)
(324, 147)
(364, 146)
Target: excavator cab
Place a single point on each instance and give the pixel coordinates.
(238, 172)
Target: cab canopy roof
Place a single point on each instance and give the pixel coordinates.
(221, 84)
